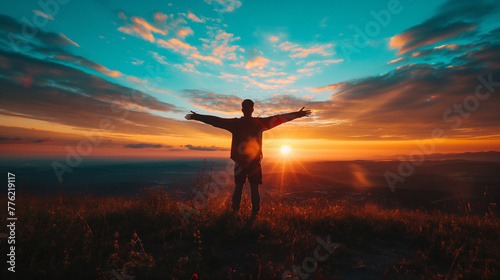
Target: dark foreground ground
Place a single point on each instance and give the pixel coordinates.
(159, 220)
(155, 236)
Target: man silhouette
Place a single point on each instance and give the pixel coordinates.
(246, 146)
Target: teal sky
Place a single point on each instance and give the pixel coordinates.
(256, 30)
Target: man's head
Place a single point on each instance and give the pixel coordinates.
(247, 107)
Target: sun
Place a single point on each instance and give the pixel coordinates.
(285, 149)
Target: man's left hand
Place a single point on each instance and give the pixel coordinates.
(303, 112)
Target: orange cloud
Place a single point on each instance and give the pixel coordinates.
(305, 70)
(448, 46)
(67, 39)
(317, 49)
(194, 18)
(184, 32)
(206, 58)
(407, 41)
(160, 17)
(140, 27)
(288, 80)
(253, 82)
(42, 14)
(228, 76)
(274, 39)
(135, 79)
(136, 30)
(221, 46)
(325, 62)
(398, 41)
(395, 60)
(453, 20)
(187, 67)
(112, 73)
(257, 62)
(221, 50)
(176, 45)
(264, 74)
(149, 27)
(302, 52)
(286, 46)
(159, 90)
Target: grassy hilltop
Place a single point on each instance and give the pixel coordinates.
(68, 237)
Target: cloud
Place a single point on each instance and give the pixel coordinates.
(176, 45)
(187, 67)
(222, 50)
(224, 6)
(288, 80)
(286, 46)
(220, 45)
(82, 61)
(231, 104)
(69, 96)
(223, 46)
(316, 49)
(205, 148)
(265, 74)
(305, 70)
(253, 82)
(442, 51)
(33, 137)
(228, 76)
(281, 103)
(13, 30)
(54, 52)
(10, 139)
(135, 79)
(184, 32)
(145, 146)
(68, 40)
(148, 26)
(137, 61)
(193, 17)
(298, 51)
(412, 100)
(257, 62)
(141, 28)
(160, 18)
(274, 39)
(42, 14)
(325, 62)
(206, 58)
(161, 25)
(42, 140)
(395, 60)
(212, 101)
(455, 18)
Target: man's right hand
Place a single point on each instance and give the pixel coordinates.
(190, 116)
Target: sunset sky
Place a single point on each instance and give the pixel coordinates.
(379, 76)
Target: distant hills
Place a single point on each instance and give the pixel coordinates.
(477, 156)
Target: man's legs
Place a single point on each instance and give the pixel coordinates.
(254, 188)
(238, 189)
(239, 178)
(255, 179)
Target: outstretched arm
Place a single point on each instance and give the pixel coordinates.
(212, 120)
(276, 120)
